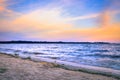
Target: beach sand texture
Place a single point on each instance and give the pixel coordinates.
(12, 68)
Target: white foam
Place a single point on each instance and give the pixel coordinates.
(23, 56)
(75, 66)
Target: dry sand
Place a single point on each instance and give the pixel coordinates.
(12, 68)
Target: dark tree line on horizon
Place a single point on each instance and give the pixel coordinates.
(57, 42)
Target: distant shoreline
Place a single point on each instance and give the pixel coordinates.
(50, 42)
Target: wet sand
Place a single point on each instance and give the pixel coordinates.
(12, 68)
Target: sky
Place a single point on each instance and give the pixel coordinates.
(60, 20)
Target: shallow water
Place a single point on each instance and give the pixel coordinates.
(102, 55)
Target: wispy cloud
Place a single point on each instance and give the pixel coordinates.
(43, 19)
(5, 12)
(82, 17)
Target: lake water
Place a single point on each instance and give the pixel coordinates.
(102, 55)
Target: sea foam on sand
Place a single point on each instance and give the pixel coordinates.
(75, 66)
(80, 67)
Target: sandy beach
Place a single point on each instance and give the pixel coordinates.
(12, 68)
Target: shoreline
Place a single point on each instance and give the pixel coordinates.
(73, 66)
(9, 61)
(80, 67)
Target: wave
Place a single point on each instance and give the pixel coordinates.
(75, 57)
(13, 51)
(75, 66)
(118, 50)
(99, 51)
(104, 55)
(80, 67)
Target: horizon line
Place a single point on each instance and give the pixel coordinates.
(26, 41)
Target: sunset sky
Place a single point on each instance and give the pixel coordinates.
(60, 20)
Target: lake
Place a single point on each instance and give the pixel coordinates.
(102, 55)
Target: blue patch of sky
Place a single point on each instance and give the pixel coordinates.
(11, 34)
(15, 36)
(85, 7)
(28, 5)
(115, 5)
(86, 23)
(116, 18)
(77, 8)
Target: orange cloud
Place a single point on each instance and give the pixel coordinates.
(5, 12)
(110, 34)
(2, 5)
(106, 18)
(45, 20)
(50, 25)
